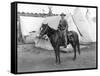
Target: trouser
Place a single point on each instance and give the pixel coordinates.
(63, 33)
(65, 36)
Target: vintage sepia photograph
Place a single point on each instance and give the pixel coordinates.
(55, 38)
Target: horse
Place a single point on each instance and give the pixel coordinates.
(57, 41)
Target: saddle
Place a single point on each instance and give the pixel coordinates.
(69, 34)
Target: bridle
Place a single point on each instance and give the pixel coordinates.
(44, 30)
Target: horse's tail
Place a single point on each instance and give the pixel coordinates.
(78, 45)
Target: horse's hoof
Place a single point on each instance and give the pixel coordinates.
(65, 46)
(79, 53)
(58, 63)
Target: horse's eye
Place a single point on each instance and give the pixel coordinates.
(41, 29)
(71, 37)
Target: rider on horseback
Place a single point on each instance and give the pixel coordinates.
(63, 28)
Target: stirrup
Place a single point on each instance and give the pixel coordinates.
(65, 46)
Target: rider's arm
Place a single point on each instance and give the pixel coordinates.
(66, 24)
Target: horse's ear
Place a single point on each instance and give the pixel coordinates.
(42, 23)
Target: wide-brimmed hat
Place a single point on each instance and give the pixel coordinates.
(62, 14)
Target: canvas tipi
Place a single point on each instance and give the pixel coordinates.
(86, 28)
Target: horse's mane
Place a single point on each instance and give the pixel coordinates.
(52, 30)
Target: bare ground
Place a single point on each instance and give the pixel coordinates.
(31, 58)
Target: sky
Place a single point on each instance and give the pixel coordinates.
(39, 8)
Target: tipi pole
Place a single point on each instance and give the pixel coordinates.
(20, 32)
(76, 25)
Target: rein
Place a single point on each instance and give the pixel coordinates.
(45, 30)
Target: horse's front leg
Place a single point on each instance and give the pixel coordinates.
(58, 55)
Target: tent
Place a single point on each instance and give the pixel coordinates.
(86, 27)
(29, 24)
(91, 17)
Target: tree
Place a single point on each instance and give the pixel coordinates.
(50, 11)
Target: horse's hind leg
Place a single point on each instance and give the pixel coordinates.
(78, 47)
(74, 46)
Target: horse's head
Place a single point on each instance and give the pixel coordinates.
(44, 29)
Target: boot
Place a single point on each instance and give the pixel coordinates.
(65, 45)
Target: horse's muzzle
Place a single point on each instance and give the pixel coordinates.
(39, 36)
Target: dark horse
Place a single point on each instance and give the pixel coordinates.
(57, 41)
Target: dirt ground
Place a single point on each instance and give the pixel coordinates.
(31, 58)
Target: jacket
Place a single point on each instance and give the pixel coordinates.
(63, 25)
